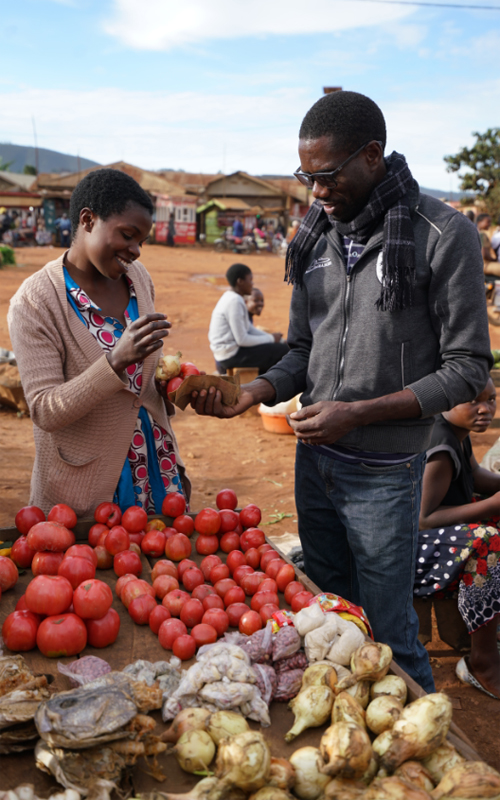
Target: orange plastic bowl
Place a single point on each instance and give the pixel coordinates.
(276, 423)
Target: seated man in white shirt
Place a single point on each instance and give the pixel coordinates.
(234, 340)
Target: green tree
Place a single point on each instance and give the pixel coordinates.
(482, 161)
(29, 169)
(4, 165)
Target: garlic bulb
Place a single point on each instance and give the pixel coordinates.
(194, 750)
(394, 788)
(415, 773)
(281, 773)
(346, 750)
(421, 728)
(222, 724)
(311, 707)
(360, 691)
(189, 719)
(243, 761)
(309, 781)
(347, 709)
(391, 685)
(382, 713)
(319, 673)
(344, 789)
(444, 758)
(472, 780)
(168, 367)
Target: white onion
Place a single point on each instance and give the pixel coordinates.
(391, 684)
(382, 713)
(194, 750)
(309, 781)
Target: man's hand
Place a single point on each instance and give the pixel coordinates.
(324, 422)
(139, 340)
(209, 403)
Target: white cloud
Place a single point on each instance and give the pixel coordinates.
(165, 24)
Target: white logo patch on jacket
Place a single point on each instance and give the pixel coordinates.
(380, 267)
(319, 263)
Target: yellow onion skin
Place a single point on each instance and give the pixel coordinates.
(415, 773)
(271, 793)
(390, 685)
(394, 788)
(382, 713)
(309, 781)
(347, 709)
(319, 673)
(189, 719)
(243, 761)
(281, 774)
(371, 661)
(346, 750)
(371, 772)
(472, 780)
(194, 750)
(222, 724)
(311, 707)
(344, 789)
(360, 691)
(444, 758)
(168, 367)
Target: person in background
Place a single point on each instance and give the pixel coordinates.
(234, 341)
(171, 231)
(238, 229)
(470, 215)
(456, 551)
(254, 303)
(292, 230)
(490, 261)
(63, 225)
(495, 240)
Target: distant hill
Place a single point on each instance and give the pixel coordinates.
(48, 160)
(439, 193)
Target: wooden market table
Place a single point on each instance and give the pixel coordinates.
(136, 641)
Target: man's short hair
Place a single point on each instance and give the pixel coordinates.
(106, 192)
(235, 272)
(350, 118)
(480, 217)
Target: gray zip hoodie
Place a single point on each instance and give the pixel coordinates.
(343, 348)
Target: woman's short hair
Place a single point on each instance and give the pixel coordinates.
(106, 192)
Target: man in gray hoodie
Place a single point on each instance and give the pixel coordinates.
(388, 327)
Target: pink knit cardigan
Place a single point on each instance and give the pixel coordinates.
(83, 414)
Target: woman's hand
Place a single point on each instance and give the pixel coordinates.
(138, 341)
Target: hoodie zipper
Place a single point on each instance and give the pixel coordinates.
(344, 337)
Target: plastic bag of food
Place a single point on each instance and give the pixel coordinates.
(348, 640)
(259, 646)
(84, 670)
(309, 618)
(267, 680)
(289, 684)
(318, 642)
(285, 643)
(297, 661)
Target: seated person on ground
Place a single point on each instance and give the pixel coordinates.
(254, 303)
(234, 341)
(456, 551)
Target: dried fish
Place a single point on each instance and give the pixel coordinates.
(18, 738)
(89, 772)
(145, 697)
(14, 674)
(20, 705)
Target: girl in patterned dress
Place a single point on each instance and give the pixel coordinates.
(455, 550)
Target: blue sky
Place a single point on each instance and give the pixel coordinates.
(208, 85)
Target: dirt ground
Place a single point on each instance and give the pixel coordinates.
(239, 453)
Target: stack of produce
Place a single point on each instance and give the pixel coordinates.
(21, 692)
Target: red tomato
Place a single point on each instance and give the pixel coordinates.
(229, 542)
(76, 570)
(192, 578)
(293, 588)
(102, 538)
(108, 514)
(49, 594)
(21, 604)
(250, 516)
(122, 582)
(136, 538)
(174, 601)
(239, 572)
(218, 619)
(223, 586)
(81, 551)
(173, 505)
(274, 567)
(185, 564)
(285, 576)
(267, 611)
(92, 599)
(266, 558)
(163, 567)
(95, 532)
(250, 583)
(235, 559)
(234, 612)
(46, 563)
(27, 517)
(49, 536)
(300, 600)
(252, 556)
(188, 368)
(164, 584)
(178, 547)
(207, 521)
(174, 384)
(262, 599)
(19, 630)
(219, 572)
(135, 589)
(21, 554)
(140, 608)
(168, 532)
(264, 548)
(169, 630)
(134, 548)
(134, 519)
(117, 540)
(228, 520)
(250, 622)
(200, 592)
(157, 616)
(61, 635)
(212, 601)
(268, 585)
(153, 544)
(204, 634)
(104, 559)
(234, 595)
(63, 514)
(207, 544)
(184, 647)
(226, 499)
(207, 564)
(127, 562)
(184, 524)
(155, 525)
(253, 537)
(104, 631)
(191, 612)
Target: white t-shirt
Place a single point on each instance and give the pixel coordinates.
(230, 328)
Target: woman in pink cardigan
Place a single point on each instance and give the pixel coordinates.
(87, 339)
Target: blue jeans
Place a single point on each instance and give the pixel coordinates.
(358, 526)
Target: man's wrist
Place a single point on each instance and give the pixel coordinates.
(400, 405)
(261, 390)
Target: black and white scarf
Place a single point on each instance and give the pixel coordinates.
(389, 200)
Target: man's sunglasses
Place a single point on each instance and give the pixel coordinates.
(327, 178)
